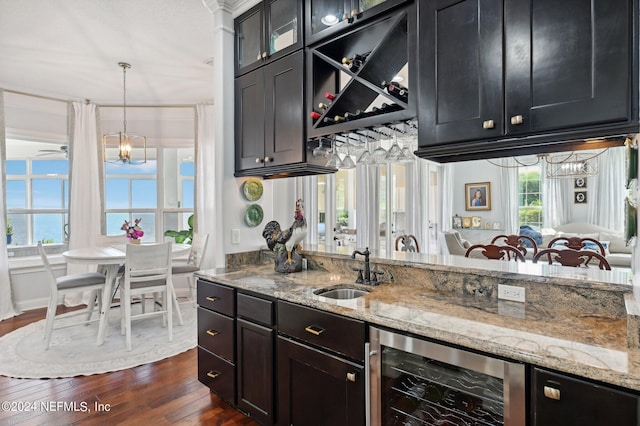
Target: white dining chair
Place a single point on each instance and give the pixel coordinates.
(94, 282)
(147, 270)
(192, 263)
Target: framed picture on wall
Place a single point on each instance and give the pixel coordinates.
(477, 196)
(580, 197)
(580, 183)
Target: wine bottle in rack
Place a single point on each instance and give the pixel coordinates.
(355, 63)
(330, 96)
(314, 115)
(339, 119)
(323, 106)
(396, 90)
(352, 115)
(328, 120)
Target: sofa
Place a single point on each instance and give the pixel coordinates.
(618, 254)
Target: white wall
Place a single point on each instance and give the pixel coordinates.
(476, 172)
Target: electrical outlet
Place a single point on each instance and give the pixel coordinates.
(235, 236)
(510, 292)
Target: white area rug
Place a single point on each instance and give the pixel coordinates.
(73, 350)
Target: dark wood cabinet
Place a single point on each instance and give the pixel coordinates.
(266, 32)
(356, 68)
(269, 114)
(256, 348)
(325, 18)
(216, 339)
(558, 399)
(320, 375)
(502, 77)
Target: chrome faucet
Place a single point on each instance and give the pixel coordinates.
(367, 268)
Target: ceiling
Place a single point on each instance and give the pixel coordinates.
(70, 49)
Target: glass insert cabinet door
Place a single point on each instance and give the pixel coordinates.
(327, 16)
(267, 31)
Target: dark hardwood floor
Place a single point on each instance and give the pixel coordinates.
(166, 392)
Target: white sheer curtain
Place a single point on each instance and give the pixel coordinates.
(556, 196)
(208, 174)
(7, 309)
(84, 182)
(607, 190)
(509, 192)
(446, 202)
(367, 202)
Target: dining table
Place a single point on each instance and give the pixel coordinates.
(108, 259)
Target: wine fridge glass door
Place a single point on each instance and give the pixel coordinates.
(420, 383)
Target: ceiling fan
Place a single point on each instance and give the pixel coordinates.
(63, 149)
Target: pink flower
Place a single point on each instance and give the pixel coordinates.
(133, 231)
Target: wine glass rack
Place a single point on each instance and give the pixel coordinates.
(353, 79)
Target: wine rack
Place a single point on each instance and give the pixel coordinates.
(356, 97)
(426, 392)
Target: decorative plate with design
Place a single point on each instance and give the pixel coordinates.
(253, 215)
(252, 189)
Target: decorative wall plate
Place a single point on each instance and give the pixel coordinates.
(252, 189)
(253, 215)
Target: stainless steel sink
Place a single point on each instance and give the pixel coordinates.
(341, 292)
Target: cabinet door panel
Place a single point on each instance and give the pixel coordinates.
(284, 110)
(567, 63)
(461, 68)
(255, 370)
(314, 389)
(249, 39)
(249, 122)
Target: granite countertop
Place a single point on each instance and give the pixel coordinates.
(588, 345)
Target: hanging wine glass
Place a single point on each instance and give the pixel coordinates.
(334, 161)
(395, 151)
(379, 154)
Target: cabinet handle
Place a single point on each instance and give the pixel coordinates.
(213, 332)
(212, 299)
(213, 374)
(315, 330)
(552, 393)
(488, 124)
(517, 119)
(258, 160)
(351, 377)
(268, 159)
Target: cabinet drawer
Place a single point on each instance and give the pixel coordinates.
(216, 333)
(216, 297)
(343, 335)
(217, 374)
(255, 309)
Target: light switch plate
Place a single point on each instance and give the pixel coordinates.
(235, 236)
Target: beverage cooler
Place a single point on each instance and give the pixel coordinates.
(415, 382)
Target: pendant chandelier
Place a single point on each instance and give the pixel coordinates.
(123, 142)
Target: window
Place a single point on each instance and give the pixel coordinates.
(160, 192)
(530, 195)
(37, 193)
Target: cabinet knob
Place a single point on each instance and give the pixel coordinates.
(351, 377)
(268, 159)
(258, 160)
(517, 119)
(354, 13)
(552, 393)
(488, 124)
(264, 55)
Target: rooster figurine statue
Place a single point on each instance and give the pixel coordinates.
(286, 243)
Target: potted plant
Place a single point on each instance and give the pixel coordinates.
(9, 231)
(185, 236)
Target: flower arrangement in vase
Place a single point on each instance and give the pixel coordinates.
(133, 231)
